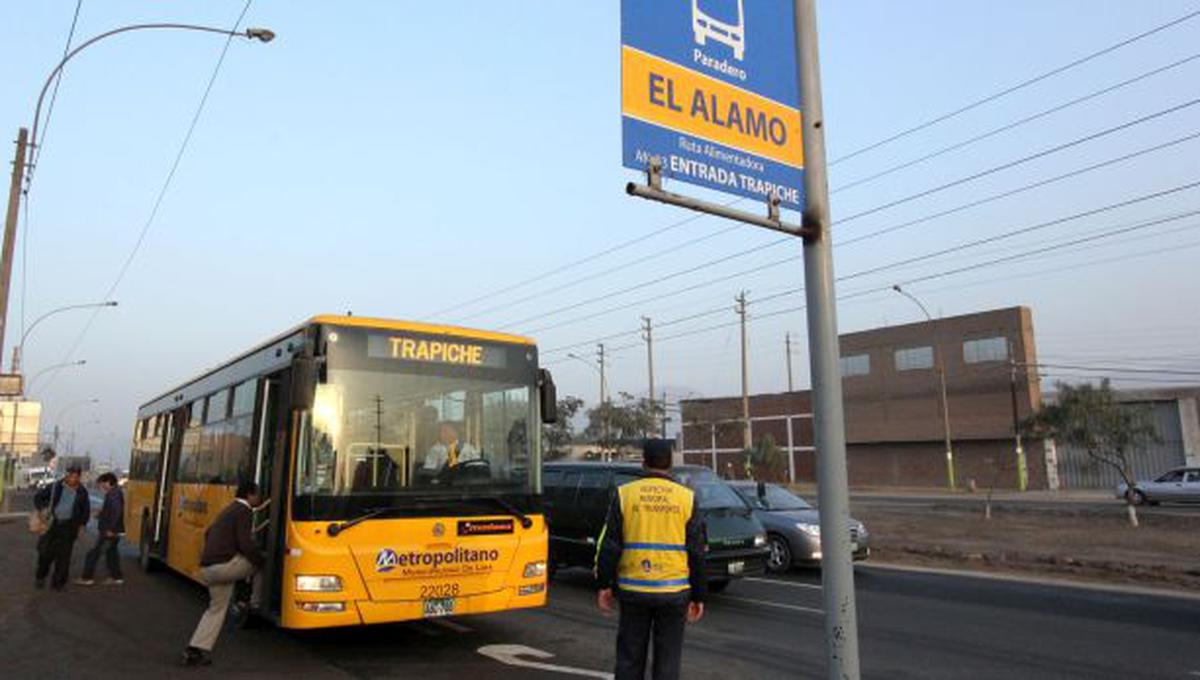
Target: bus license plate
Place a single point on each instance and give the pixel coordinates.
(736, 568)
(441, 606)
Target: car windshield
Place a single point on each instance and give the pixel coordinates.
(777, 498)
(712, 493)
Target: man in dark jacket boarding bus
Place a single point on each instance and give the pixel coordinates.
(651, 559)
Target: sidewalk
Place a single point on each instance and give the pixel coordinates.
(809, 490)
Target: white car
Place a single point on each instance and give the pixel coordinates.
(1181, 485)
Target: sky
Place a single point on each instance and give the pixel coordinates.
(460, 162)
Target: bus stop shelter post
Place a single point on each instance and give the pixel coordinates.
(837, 570)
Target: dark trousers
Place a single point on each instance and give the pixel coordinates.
(639, 624)
(54, 547)
(112, 558)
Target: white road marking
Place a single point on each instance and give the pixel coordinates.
(452, 625)
(1195, 674)
(796, 607)
(781, 582)
(510, 655)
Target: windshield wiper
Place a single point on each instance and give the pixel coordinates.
(336, 528)
(511, 509)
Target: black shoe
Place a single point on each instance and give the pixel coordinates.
(194, 656)
(40, 584)
(59, 586)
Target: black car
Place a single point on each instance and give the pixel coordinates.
(579, 494)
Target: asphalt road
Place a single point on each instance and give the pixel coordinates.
(913, 625)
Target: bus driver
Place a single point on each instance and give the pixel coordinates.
(448, 452)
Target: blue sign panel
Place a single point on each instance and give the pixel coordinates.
(710, 87)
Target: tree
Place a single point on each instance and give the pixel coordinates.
(559, 435)
(1090, 418)
(629, 418)
(767, 461)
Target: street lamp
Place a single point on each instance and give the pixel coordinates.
(55, 367)
(23, 139)
(941, 373)
(20, 347)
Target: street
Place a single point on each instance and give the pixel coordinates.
(913, 625)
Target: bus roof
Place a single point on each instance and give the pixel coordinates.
(419, 327)
(351, 321)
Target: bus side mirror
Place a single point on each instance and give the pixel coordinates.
(304, 382)
(548, 395)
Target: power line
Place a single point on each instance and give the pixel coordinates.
(893, 265)
(1021, 161)
(575, 263)
(1041, 225)
(620, 246)
(1117, 369)
(607, 272)
(937, 275)
(1015, 124)
(1019, 86)
(162, 193)
(1021, 189)
(36, 156)
(879, 232)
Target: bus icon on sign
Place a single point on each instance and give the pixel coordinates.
(705, 26)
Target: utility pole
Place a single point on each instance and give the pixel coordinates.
(829, 427)
(1022, 469)
(787, 341)
(10, 230)
(604, 413)
(741, 312)
(650, 370)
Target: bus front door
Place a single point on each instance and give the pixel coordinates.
(270, 472)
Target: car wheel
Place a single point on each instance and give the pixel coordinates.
(718, 585)
(779, 557)
(1138, 497)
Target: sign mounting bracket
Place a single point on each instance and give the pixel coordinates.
(653, 191)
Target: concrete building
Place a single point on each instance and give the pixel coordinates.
(894, 426)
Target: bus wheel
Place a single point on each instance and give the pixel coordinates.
(145, 560)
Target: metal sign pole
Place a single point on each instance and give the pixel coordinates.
(837, 571)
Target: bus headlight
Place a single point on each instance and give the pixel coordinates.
(535, 570)
(760, 540)
(322, 607)
(318, 584)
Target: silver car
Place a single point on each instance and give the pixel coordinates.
(1181, 485)
(793, 526)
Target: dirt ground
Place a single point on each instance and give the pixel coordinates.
(1085, 544)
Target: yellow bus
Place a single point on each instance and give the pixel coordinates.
(402, 463)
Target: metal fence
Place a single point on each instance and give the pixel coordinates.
(1078, 470)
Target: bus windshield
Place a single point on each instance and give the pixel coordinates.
(377, 437)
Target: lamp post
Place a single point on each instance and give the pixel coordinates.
(55, 367)
(19, 348)
(941, 373)
(26, 141)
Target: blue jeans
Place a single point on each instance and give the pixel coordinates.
(108, 546)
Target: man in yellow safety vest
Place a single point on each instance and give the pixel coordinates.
(651, 558)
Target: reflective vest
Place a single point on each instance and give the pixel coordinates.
(654, 556)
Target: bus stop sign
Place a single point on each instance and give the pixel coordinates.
(710, 88)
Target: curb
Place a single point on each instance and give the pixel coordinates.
(1036, 580)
